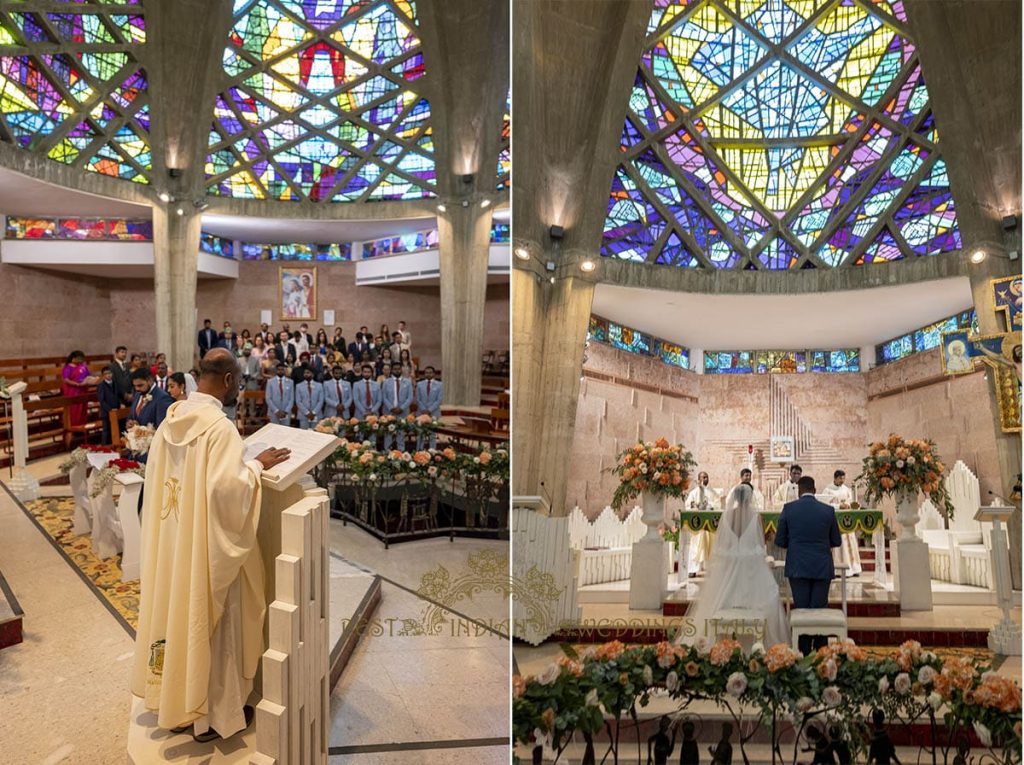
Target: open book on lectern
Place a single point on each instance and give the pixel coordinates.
(308, 448)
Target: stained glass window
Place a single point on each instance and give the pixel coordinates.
(80, 229)
(847, 360)
(501, 233)
(926, 337)
(727, 362)
(401, 245)
(634, 341)
(783, 362)
(336, 252)
(505, 154)
(773, 134)
(324, 103)
(216, 245)
(31, 228)
(72, 87)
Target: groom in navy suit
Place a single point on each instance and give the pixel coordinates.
(808, 530)
(149, 405)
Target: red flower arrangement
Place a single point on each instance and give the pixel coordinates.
(124, 465)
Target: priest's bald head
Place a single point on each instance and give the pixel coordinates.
(219, 375)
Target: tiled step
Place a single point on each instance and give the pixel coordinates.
(677, 606)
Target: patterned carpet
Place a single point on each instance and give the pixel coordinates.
(55, 516)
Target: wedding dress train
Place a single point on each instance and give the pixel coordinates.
(738, 575)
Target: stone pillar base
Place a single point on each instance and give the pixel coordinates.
(648, 581)
(1005, 638)
(24, 485)
(913, 577)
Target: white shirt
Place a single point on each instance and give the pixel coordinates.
(695, 498)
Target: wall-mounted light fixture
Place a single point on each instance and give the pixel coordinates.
(442, 208)
(174, 172)
(522, 253)
(978, 256)
(164, 197)
(556, 233)
(485, 203)
(587, 266)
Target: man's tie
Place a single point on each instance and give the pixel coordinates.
(396, 392)
(368, 401)
(138, 407)
(280, 386)
(309, 387)
(428, 390)
(337, 387)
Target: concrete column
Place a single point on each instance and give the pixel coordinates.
(464, 235)
(176, 255)
(551, 322)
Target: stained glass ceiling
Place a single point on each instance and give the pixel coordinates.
(71, 86)
(323, 103)
(777, 134)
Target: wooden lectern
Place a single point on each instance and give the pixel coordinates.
(292, 717)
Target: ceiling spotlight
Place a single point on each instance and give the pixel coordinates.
(552, 280)
(442, 208)
(164, 197)
(181, 211)
(587, 266)
(485, 203)
(978, 256)
(522, 253)
(465, 203)
(467, 178)
(556, 232)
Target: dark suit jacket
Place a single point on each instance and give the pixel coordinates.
(154, 411)
(282, 351)
(122, 382)
(207, 340)
(808, 531)
(109, 399)
(355, 349)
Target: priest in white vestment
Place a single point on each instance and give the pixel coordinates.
(201, 607)
(787, 492)
(701, 499)
(840, 497)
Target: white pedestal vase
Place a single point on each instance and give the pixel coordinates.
(912, 574)
(80, 492)
(106, 528)
(648, 582)
(131, 528)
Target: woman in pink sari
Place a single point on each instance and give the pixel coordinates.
(76, 380)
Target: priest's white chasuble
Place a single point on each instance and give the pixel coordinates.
(787, 492)
(847, 552)
(201, 608)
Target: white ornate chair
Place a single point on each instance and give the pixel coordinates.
(606, 545)
(959, 554)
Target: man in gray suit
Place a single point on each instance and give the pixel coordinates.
(808, 531)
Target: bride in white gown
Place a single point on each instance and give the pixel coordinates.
(738, 575)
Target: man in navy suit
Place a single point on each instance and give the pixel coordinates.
(808, 531)
(149, 406)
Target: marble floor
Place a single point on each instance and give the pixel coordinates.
(410, 695)
(404, 698)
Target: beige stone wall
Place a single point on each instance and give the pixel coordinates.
(720, 414)
(48, 313)
(956, 412)
(52, 310)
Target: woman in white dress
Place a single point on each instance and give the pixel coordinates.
(738, 575)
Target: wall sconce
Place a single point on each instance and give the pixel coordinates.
(442, 208)
(522, 253)
(978, 256)
(587, 266)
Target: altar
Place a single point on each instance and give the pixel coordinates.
(868, 521)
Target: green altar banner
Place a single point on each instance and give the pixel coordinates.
(849, 521)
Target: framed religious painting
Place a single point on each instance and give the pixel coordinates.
(956, 353)
(1006, 296)
(780, 449)
(297, 287)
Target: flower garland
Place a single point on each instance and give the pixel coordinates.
(81, 455)
(368, 465)
(900, 466)
(372, 426)
(840, 682)
(652, 468)
(103, 478)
